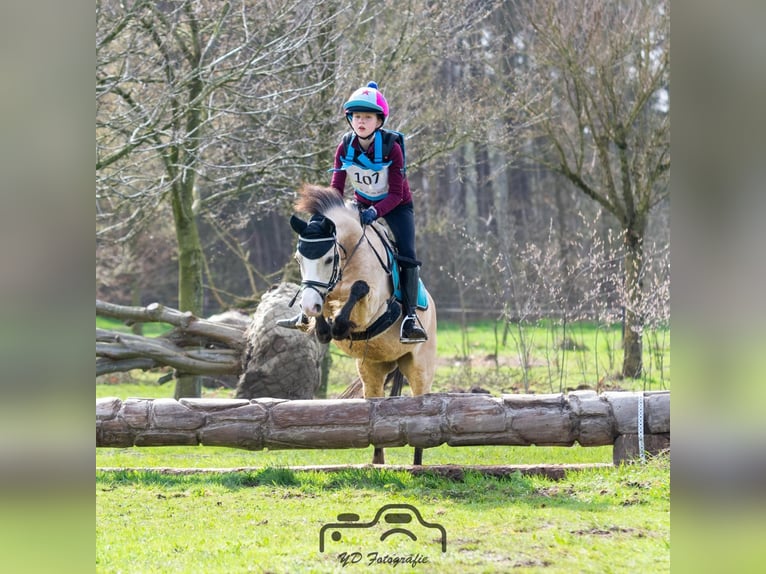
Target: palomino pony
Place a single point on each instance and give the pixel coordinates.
(346, 285)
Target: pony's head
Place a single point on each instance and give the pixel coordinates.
(334, 254)
(319, 260)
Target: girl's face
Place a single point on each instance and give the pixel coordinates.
(365, 123)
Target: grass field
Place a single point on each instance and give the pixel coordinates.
(269, 519)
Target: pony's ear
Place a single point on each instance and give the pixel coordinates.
(298, 225)
(328, 226)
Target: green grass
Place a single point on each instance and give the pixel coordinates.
(221, 457)
(556, 358)
(614, 520)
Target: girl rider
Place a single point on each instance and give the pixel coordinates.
(380, 190)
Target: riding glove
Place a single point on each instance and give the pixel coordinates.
(368, 215)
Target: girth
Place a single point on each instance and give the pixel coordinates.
(381, 323)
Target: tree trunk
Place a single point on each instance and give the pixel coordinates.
(136, 328)
(279, 362)
(324, 376)
(633, 326)
(190, 265)
(485, 189)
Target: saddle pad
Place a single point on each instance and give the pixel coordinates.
(422, 298)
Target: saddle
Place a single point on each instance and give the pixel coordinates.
(392, 257)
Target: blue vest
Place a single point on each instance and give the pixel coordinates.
(369, 177)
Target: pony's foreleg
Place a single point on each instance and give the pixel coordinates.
(377, 456)
(322, 330)
(341, 325)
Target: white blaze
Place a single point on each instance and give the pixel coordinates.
(319, 271)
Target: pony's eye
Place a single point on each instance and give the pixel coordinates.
(328, 260)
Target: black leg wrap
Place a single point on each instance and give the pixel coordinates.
(342, 325)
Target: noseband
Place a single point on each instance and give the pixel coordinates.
(321, 287)
(335, 276)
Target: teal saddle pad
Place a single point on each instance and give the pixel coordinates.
(422, 297)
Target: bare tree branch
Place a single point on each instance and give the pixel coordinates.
(186, 323)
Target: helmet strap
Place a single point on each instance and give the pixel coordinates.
(372, 135)
(348, 119)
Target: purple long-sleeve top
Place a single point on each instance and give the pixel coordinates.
(398, 187)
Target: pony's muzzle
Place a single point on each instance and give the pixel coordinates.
(311, 303)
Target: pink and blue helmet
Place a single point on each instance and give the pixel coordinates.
(367, 99)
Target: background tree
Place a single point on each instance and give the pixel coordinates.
(595, 95)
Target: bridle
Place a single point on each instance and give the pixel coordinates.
(324, 288)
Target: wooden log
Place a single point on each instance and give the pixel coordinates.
(194, 346)
(154, 312)
(456, 419)
(119, 349)
(626, 446)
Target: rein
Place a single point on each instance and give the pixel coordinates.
(393, 310)
(386, 267)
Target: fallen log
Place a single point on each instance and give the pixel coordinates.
(116, 350)
(456, 419)
(154, 312)
(195, 346)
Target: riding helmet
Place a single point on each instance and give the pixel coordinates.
(367, 99)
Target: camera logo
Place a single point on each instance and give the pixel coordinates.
(397, 520)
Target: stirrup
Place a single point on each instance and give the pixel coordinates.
(415, 331)
(297, 322)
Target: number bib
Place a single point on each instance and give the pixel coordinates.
(370, 184)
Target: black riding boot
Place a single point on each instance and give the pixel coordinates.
(300, 320)
(412, 330)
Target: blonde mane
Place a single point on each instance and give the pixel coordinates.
(320, 200)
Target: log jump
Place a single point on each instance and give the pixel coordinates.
(455, 419)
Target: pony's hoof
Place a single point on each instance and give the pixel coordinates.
(323, 337)
(322, 330)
